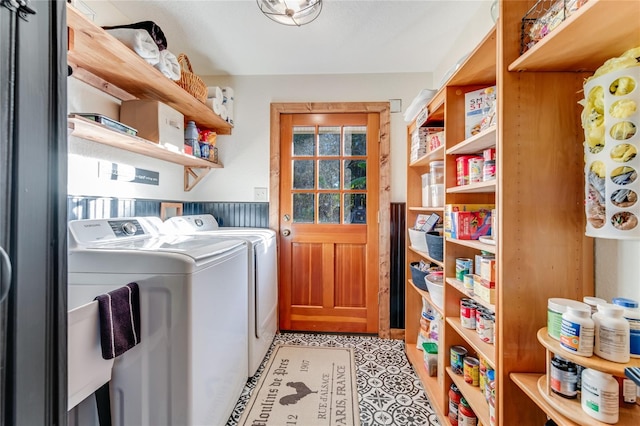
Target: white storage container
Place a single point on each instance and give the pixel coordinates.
(418, 240)
(426, 190)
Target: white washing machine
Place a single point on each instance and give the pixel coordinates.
(263, 276)
(191, 363)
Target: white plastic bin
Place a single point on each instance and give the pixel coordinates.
(426, 190)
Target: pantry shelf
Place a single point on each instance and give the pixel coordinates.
(572, 409)
(427, 209)
(479, 68)
(599, 30)
(485, 349)
(528, 382)
(430, 384)
(595, 362)
(476, 187)
(427, 296)
(426, 256)
(435, 155)
(474, 244)
(102, 61)
(476, 143)
(436, 107)
(458, 285)
(472, 394)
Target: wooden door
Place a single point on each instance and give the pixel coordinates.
(329, 222)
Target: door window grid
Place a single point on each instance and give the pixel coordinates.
(319, 152)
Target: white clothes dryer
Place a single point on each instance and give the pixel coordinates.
(191, 364)
(263, 276)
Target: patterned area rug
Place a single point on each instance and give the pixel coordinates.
(389, 391)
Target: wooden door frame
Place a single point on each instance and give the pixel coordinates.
(383, 109)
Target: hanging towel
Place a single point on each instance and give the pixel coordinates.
(169, 65)
(150, 27)
(119, 320)
(140, 42)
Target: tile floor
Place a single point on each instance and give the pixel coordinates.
(389, 391)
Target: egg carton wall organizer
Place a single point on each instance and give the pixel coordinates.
(611, 119)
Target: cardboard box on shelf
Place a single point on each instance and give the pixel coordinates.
(449, 209)
(488, 270)
(478, 106)
(471, 225)
(485, 290)
(155, 121)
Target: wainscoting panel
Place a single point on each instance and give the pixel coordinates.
(253, 215)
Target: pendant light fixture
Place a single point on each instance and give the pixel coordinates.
(291, 12)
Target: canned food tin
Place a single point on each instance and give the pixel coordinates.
(464, 266)
(475, 169)
(457, 356)
(467, 280)
(467, 315)
(489, 154)
(489, 170)
(471, 370)
(487, 323)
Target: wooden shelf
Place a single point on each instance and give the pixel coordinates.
(426, 256)
(430, 384)
(427, 209)
(528, 382)
(427, 296)
(476, 143)
(476, 187)
(86, 129)
(474, 397)
(101, 60)
(435, 155)
(485, 349)
(480, 65)
(599, 30)
(475, 244)
(568, 411)
(595, 362)
(436, 107)
(459, 285)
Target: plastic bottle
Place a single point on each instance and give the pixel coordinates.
(576, 332)
(593, 303)
(555, 308)
(632, 315)
(191, 138)
(564, 377)
(611, 333)
(466, 416)
(600, 396)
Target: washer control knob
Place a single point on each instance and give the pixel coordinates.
(199, 222)
(129, 228)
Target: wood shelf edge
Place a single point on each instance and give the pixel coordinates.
(476, 143)
(528, 383)
(474, 397)
(430, 384)
(474, 244)
(458, 285)
(427, 296)
(487, 350)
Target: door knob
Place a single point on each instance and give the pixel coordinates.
(286, 232)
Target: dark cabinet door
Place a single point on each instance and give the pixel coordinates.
(33, 212)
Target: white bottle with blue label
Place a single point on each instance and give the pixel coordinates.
(632, 315)
(576, 331)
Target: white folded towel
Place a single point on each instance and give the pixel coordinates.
(223, 112)
(214, 92)
(139, 41)
(215, 104)
(168, 65)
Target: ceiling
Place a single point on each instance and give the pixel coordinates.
(350, 36)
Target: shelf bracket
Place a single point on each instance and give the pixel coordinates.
(191, 178)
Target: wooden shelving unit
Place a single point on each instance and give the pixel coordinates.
(472, 394)
(93, 131)
(538, 191)
(569, 411)
(104, 62)
(458, 285)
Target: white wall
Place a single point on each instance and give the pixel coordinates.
(245, 153)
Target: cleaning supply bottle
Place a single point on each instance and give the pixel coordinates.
(191, 138)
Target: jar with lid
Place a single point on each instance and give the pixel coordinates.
(599, 397)
(611, 333)
(593, 303)
(466, 416)
(454, 402)
(576, 331)
(632, 315)
(563, 377)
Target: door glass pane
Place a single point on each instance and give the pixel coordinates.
(355, 174)
(329, 208)
(355, 140)
(329, 174)
(355, 208)
(303, 141)
(329, 141)
(303, 208)
(303, 174)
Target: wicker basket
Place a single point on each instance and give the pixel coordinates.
(189, 81)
